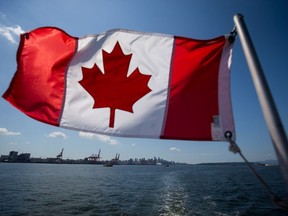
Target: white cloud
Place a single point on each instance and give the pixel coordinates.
(4, 131)
(107, 139)
(10, 32)
(58, 135)
(87, 135)
(133, 144)
(103, 138)
(174, 149)
(2, 15)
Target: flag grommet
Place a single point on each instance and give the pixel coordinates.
(26, 36)
(228, 134)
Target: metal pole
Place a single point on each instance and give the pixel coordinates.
(269, 109)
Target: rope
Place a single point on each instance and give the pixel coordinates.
(281, 203)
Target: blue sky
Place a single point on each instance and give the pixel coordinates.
(267, 21)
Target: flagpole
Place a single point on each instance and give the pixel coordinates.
(273, 121)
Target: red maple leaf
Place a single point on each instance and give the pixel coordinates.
(113, 88)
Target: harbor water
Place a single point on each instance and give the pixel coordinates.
(71, 189)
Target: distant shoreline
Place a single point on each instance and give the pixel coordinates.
(139, 164)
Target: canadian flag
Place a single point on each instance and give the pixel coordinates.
(125, 83)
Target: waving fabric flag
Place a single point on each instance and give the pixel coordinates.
(125, 83)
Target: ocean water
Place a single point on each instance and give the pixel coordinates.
(66, 189)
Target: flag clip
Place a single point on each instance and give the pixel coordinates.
(232, 35)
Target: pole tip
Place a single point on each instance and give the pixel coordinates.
(238, 16)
